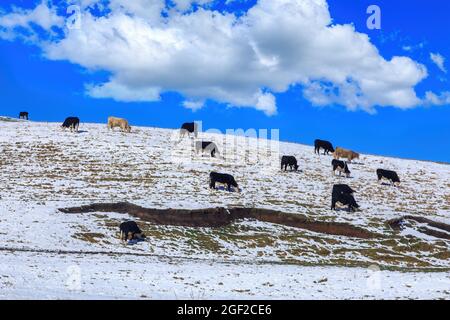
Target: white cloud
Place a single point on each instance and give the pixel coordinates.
(432, 99)
(184, 5)
(439, 61)
(240, 61)
(121, 92)
(193, 105)
(42, 15)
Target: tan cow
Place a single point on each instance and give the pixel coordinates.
(344, 153)
(118, 122)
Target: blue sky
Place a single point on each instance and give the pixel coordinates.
(52, 88)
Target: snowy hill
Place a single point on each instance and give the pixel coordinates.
(50, 254)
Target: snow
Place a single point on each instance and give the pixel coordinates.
(44, 168)
(37, 276)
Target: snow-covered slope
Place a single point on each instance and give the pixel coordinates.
(43, 169)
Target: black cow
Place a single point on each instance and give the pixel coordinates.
(23, 115)
(71, 122)
(389, 175)
(289, 161)
(340, 166)
(189, 127)
(343, 194)
(223, 178)
(345, 199)
(325, 145)
(208, 146)
(129, 230)
(342, 189)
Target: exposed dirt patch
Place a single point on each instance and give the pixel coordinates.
(220, 217)
(397, 224)
(89, 236)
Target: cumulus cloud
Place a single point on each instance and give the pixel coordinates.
(432, 99)
(439, 61)
(193, 105)
(43, 16)
(121, 92)
(240, 61)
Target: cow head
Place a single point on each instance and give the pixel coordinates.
(140, 236)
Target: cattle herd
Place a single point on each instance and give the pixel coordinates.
(341, 193)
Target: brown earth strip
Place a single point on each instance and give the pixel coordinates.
(435, 233)
(220, 217)
(396, 224)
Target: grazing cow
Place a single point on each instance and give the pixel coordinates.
(189, 127)
(23, 115)
(325, 145)
(223, 178)
(340, 166)
(346, 200)
(342, 189)
(389, 175)
(118, 122)
(71, 122)
(289, 161)
(344, 153)
(129, 230)
(343, 194)
(208, 146)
